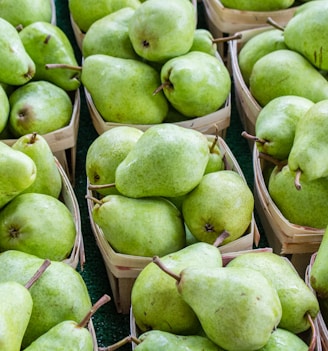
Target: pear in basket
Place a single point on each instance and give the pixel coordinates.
(4, 108)
(204, 41)
(255, 5)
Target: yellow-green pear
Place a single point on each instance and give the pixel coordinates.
(4, 108)
(204, 41)
(254, 5)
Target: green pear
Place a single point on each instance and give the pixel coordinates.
(195, 83)
(124, 93)
(297, 300)
(110, 36)
(286, 72)
(256, 47)
(319, 272)
(160, 30)
(40, 107)
(38, 224)
(153, 288)
(284, 340)
(48, 178)
(140, 227)
(106, 152)
(17, 66)
(88, 12)
(276, 124)
(222, 202)
(310, 147)
(17, 173)
(47, 43)
(226, 299)
(25, 12)
(4, 109)
(59, 294)
(204, 42)
(216, 158)
(254, 5)
(306, 30)
(167, 160)
(306, 207)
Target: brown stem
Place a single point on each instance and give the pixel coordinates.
(215, 140)
(46, 263)
(314, 334)
(218, 241)
(229, 38)
(62, 65)
(253, 137)
(160, 264)
(297, 180)
(274, 24)
(120, 343)
(161, 87)
(94, 199)
(104, 299)
(272, 159)
(100, 186)
(33, 138)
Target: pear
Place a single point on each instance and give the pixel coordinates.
(48, 179)
(278, 73)
(297, 300)
(17, 66)
(310, 147)
(306, 207)
(29, 11)
(4, 109)
(17, 173)
(46, 43)
(106, 152)
(153, 288)
(204, 42)
(258, 46)
(39, 106)
(110, 36)
(60, 293)
(196, 83)
(216, 158)
(226, 299)
(167, 160)
(306, 30)
(254, 5)
(16, 306)
(124, 93)
(160, 30)
(222, 202)
(69, 334)
(141, 227)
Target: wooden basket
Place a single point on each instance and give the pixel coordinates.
(93, 335)
(122, 269)
(284, 237)
(54, 15)
(63, 141)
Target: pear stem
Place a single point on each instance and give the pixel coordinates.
(161, 265)
(297, 181)
(253, 137)
(274, 24)
(218, 241)
(33, 138)
(215, 140)
(120, 343)
(104, 299)
(94, 199)
(273, 160)
(161, 87)
(101, 186)
(225, 39)
(62, 65)
(314, 334)
(46, 263)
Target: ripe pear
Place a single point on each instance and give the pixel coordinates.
(17, 66)
(140, 227)
(254, 5)
(304, 207)
(59, 294)
(17, 173)
(167, 160)
(39, 106)
(48, 179)
(278, 73)
(4, 108)
(38, 224)
(222, 202)
(216, 158)
(124, 94)
(204, 41)
(153, 288)
(160, 30)
(110, 36)
(47, 43)
(106, 152)
(297, 300)
(29, 11)
(195, 83)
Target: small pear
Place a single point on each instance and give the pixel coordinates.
(4, 109)
(216, 158)
(204, 41)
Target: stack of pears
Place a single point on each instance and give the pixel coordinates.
(147, 63)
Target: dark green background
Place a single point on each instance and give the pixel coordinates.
(109, 325)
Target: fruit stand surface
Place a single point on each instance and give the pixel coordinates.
(110, 326)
